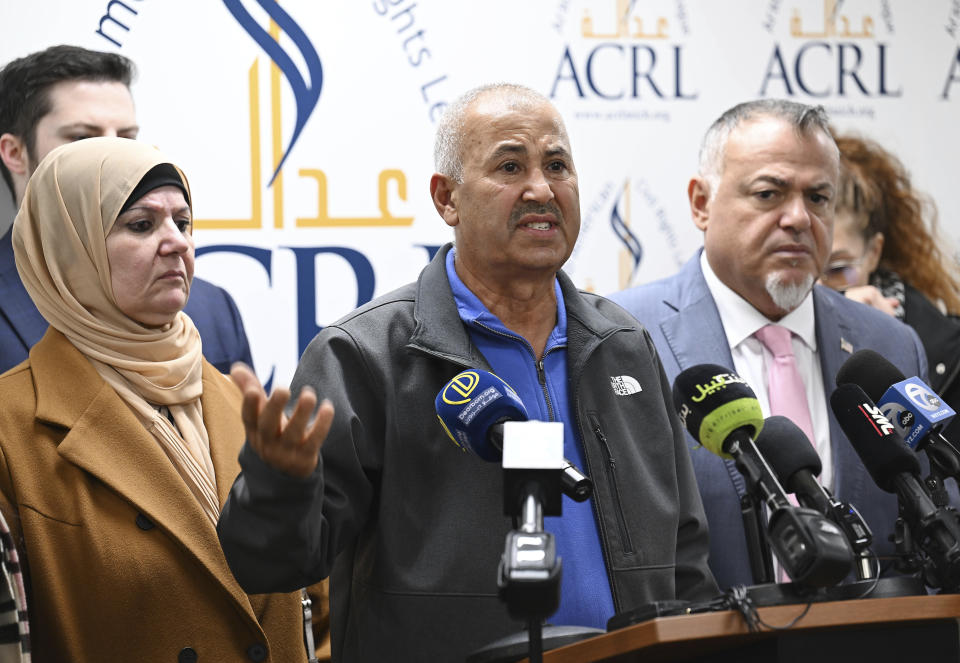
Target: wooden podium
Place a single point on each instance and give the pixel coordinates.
(902, 629)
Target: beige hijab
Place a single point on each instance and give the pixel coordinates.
(59, 241)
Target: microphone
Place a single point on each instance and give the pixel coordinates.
(914, 409)
(722, 413)
(895, 469)
(718, 408)
(473, 407)
(796, 464)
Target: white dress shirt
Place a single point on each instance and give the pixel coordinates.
(750, 357)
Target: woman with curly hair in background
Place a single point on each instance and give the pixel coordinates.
(887, 255)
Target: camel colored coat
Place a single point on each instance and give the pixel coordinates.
(123, 563)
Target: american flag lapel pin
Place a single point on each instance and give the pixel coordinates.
(846, 346)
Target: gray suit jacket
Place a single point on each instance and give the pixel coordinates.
(683, 320)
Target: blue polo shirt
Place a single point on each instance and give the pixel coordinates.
(585, 598)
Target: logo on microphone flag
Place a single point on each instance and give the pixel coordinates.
(473, 401)
(461, 385)
(922, 396)
(876, 418)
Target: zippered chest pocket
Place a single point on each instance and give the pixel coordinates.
(610, 476)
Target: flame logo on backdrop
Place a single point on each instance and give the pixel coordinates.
(623, 232)
(306, 95)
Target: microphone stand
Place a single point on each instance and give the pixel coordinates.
(936, 529)
(530, 571)
(944, 462)
(811, 549)
(758, 548)
(532, 524)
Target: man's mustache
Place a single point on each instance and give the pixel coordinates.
(523, 209)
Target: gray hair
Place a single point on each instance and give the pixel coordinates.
(787, 296)
(448, 146)
(801, 116)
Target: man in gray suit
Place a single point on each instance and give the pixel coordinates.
(764, 199)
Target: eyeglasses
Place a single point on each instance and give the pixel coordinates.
(842, 274)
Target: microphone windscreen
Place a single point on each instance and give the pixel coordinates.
(873, 437)
(787, 448)
(713, 401)
(471, 403)
(871, 371)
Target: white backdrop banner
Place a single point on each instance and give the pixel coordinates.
(306, 127)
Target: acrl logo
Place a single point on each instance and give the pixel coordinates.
(875, 416)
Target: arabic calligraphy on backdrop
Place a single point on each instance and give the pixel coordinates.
(622, 16)
(830, 19)
(276, 268)
(322, 217)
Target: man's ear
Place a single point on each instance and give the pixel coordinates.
(698, 191)
(13, 151)
(443, 193)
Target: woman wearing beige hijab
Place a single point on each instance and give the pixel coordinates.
(118, 442)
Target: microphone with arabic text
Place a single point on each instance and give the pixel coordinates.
(722, 413)
(895, 469)
(910, 405)
(472, 408)
(797, 464)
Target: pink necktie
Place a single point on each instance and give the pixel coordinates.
(785, 387)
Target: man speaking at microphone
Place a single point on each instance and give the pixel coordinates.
(410, 528)
(764, 198)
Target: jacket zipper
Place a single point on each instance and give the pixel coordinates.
(542, 379)
(538, 363)
(612, 481)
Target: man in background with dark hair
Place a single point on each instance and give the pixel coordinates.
(59, 95)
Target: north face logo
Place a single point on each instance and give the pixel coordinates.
(624, 385)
